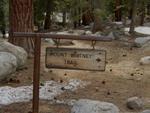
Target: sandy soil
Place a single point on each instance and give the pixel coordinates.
(123, 78)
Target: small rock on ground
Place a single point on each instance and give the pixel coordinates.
(135, 103)
(91, 106)
(139, 42)
(146, 111)
(145, 60)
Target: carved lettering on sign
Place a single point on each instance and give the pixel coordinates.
(80, 59)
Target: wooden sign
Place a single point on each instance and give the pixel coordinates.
(78, 59)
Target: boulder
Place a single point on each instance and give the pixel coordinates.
(141, 29)
(146, 111)
(8, 64)
(88, 33)
(111, 35)
(135, 103)
(19, 52)
(146, 47)
(50, 41)
(91, 106)
(79, 32)
(145, 60)
(118, 34)
(118, 24)
(64, 42)
(98, 33)
(147, 24)
(139, 42)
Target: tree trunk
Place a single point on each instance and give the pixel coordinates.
(142, 15)
(21, 20)
(118, 15)
(47, 23)
(79, 21)
(64, 18)
(87, 13)
(130, 13)
(87, 17)
(132, 25)
(75, 20)
(97, 24)
(148, 8)
(2, 17)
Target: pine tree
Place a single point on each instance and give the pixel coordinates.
(21, 20)
(2, 17)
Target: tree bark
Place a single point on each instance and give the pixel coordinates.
(87, 13)
(21, 20)
(80, 15)
(148, 8)
(64, 18)
(87, 17)
(132, 25)
(75, 20)
(142, 15)
(118, 15)
(2, 17)
(97, 24)
(47, 23)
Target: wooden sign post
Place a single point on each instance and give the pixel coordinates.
(64, 58)
(77, 59)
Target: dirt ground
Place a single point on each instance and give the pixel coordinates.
(123, 78)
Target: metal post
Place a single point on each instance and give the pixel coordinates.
(36, 74)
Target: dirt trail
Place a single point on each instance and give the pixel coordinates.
(123, 78)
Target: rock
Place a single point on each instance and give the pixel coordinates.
(50, 41)
(70, 32)
(65, 42)
(8, 64)
(118, 24)
(135, 103)
(98, 33)
(63, 33)
(79, 32)
(1, 35)
(76, 32)
(147, 19)
(127, 33)
(139, 42)
(146, 111)
(147, 24)
(146, 47)
(145, 60)
(118, 34)
(143, 30)
(111, 35)
(88, 33)
(90, 106)
(87, 27)
(19, 52)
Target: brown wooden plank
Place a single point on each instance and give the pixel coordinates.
(77, 59)
(60, 36)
